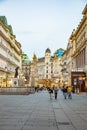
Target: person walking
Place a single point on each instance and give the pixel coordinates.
(64, 92)
(50, 90)
(56, 89)
(69, 90)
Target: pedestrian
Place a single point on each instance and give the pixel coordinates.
(69, 90)
(56, 89)
(50, 90)
(64, 92)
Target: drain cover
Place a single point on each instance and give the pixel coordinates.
(64, 123)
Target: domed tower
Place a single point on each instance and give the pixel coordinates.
(47, 63)
(48, 50)
(47, 53)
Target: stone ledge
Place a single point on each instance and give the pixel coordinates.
(16, 91)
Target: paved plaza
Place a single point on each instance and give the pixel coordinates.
(38, 112)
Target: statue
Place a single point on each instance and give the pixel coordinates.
(16, 72)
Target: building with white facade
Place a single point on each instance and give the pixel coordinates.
(75, 56)
(10, 53)
(46, 71)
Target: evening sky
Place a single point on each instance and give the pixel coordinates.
(41, 24)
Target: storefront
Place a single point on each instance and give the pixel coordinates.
(78, 81)
(5, 79)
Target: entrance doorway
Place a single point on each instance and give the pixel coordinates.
(77, 80)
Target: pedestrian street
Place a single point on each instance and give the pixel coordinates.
(38, 112)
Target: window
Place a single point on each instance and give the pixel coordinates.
(51, 71)
(47, 71)
(46, 76)
(52, 64)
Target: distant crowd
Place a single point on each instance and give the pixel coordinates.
(66, 90)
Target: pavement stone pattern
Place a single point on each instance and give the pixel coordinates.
(39, 112)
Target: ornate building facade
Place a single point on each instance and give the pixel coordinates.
(46, 71)
(10, 53)
(75, 56)
(79, 57)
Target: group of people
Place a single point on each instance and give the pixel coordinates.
(67, 90)
(52, 90)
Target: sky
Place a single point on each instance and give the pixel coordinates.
(42, 24)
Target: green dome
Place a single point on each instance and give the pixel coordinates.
(4, 21)
(59, 52)
(25, 58)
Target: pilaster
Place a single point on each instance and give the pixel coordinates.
(86, 55)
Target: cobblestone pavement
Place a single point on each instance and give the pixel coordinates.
(39, 112)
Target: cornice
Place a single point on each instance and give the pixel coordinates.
(7, 59)
(80, 25)
(9, 71)
(1, 33)
(78, 49)
(6, 29)
(84, 10)
(2, 69)
(18, 44)
(3, 57)
(75, 32)
(5, 48)
(11, 36)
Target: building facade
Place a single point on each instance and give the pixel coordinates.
(75, 56)
(10, 53)
(46, 71)
(79, 57)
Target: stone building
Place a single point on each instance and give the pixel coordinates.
(10, 53)
(75, 56)
(79, 57)
(46, 71)
(67, 60)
